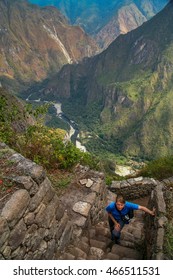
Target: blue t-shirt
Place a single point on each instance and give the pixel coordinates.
(116, 214)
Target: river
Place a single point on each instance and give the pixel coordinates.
(74, 131)
(73, 134)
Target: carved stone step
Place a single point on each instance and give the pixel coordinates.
(67, 256)
(111, 256)
(104, 239)
(84, 246)
(98, 244)
(77, 252)
(92, 257)
(97, 252)
(125, 252)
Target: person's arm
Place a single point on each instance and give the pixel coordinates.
(146, 210)
(116, 224)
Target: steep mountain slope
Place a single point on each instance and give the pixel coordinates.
(130, 15)
(36, 42)
(13, 115)
(124, 95)
(105, 20)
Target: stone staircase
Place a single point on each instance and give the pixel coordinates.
(96, 244)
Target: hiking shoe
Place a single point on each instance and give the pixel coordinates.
(117, 240)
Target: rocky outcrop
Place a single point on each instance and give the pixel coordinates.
(125, 19)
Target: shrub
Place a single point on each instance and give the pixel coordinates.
(6, 118)
(168, 246)
(159, 169)
(47, 147)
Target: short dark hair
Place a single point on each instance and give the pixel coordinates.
(120, 199)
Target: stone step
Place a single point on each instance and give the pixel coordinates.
(77, 252)
(126, 243)
(97, 252)
(111, 256)
(91, 257)
(102, 230)
(106, 240)
(124, 252)
(67, 256)
(98, 244)
(84, 246)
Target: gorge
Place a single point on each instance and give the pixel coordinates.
(119, 93)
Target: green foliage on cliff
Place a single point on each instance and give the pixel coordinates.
(6, 131)
(45, 146)
(168, 246)
(160, 168)
(11, 113)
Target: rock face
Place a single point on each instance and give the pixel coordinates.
(126, 19)
(36, 42)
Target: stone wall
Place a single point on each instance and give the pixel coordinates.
(34, 222)
(133, 188)
(156, 236)
(155, 227)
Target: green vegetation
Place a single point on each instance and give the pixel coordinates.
(168, 246)
(6, 119)
(45, 146)
(160, 168)
(60, 180)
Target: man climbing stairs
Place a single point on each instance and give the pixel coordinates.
(96, 243)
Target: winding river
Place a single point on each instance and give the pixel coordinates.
(74, 131)
(73, 134)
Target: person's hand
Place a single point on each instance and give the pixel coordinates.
(117, 227)
(153, 212)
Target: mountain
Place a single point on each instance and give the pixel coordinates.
(124, 96)
(105, 20)
(14, 117)
(127, 17)
(36, 42)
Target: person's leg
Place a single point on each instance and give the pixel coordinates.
(117, 233)
(111, 226)
(111, 223)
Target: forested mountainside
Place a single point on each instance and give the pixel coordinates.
(105, 20)
(36, 42)
(124, 95)
(14, 117)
